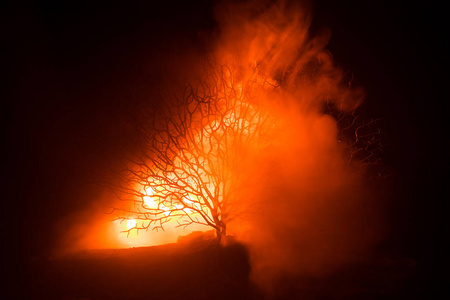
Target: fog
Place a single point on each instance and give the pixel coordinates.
(305, 208)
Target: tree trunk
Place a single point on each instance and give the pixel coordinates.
(221, 232)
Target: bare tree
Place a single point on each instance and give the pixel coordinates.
(363, 138)
(189, 165)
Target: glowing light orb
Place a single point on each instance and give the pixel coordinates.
(148, 200)
(131, 223)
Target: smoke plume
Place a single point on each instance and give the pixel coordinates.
(306, 210)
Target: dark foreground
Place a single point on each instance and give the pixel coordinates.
(198, 270)
(202, 270)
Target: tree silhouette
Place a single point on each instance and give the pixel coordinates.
(189, 166)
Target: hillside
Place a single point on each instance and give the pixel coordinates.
(199, 268)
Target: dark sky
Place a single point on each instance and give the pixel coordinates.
(74, 69)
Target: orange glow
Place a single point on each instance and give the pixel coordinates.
(131, 223)
(206, 139)
(133, 232)
(149, 201)
(267, 149)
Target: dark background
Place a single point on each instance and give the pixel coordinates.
(74, 68)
